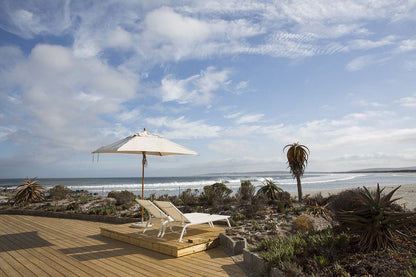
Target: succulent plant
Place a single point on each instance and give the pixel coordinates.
(374, 219)
(297, 158)
(270, 190)
(29, 191)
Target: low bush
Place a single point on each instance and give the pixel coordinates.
(59, 192)
(216, 194)
(246, 192)
(107, 209)
(124, 197)
(190, 197)
(290, 252)
(344, 201)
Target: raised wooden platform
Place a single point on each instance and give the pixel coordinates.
(197, 238)
(41, 246)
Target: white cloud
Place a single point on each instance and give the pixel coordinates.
(30, 19)
(249, 118)
(129, 115)
(61, 98)
(181, 128)
(366, 44)
(148, 33)
(408, 102)
(229, 147)
(359, 63)
(233, 115)
(169, 35)
(407, 45)
(365, 103)
(198, 89)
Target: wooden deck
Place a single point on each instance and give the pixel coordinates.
(198, 238)
(40, 246)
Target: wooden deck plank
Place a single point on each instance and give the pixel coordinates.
(7, 269)
(203, 270)
(144, 270)
(77, 246)
(82, 245)
(58, 261)
(51, 266)
(19, 267)
(32, 263)
(101, 267)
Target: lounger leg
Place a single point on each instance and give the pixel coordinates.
(183, 232)
(161, 228)
(228, 222)
(147, 224)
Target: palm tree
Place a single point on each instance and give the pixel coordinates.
(270, 190)
(30, 190)
(297, 158)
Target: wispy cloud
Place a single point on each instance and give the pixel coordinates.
(408, 102)
(181, 128)
(197, 89)
(407, 45)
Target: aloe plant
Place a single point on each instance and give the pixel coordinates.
(270, 190)
(374, 219)
(29, 191)
(297, 158)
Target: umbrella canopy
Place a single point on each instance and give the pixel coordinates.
(145, 143)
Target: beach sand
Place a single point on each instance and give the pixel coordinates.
(407, 193)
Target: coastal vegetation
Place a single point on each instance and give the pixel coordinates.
(297, 157)
(355, 232)
(29, 191)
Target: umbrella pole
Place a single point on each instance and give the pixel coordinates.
(143, 163)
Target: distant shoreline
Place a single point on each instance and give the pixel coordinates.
(235, 173)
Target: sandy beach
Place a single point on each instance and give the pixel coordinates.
(406, 193)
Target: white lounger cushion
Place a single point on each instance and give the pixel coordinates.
(189, 219)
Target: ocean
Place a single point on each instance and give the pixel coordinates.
(175, 185)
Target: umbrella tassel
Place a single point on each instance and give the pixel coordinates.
(144, 160)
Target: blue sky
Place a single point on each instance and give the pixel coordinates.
(233, 80)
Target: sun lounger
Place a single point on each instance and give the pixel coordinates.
(189, 219)
(155, 212)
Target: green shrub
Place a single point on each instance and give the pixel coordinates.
(85, 198)
(246, 191)
(216, 193)
(107, 209)
(189, 197)
(344, 201)
(373, 218)
(284, 251)
(255, 226)
(59, 192)
(74, 206)
(124, 197)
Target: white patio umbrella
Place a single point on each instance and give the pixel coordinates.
(145, 143)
